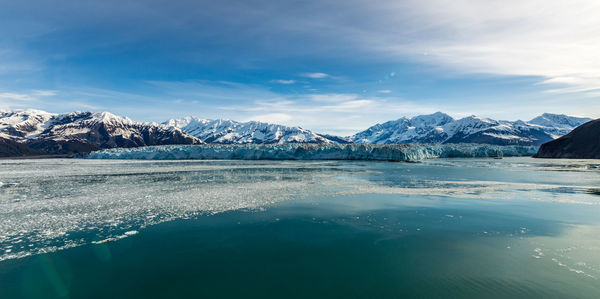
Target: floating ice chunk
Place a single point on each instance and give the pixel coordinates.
(104, 241)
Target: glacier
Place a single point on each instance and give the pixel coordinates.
(375, 152)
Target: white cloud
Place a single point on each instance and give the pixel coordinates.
(335, 113)
(44, 93)
(331, 97)
(385, 91)
(315, 75)
(16, 96)
(558, 41)
(27, 97)
(285, 82)
(342, 114)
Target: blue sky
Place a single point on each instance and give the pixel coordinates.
(331, 66)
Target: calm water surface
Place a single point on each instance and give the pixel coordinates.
(445, 228)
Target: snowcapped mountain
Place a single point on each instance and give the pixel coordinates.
(562, 124)
(419, 129)
(35, 132)
(19, 125)
(222, 131)
(442, 128)
(77, 132)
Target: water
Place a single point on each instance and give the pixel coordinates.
(516, 227)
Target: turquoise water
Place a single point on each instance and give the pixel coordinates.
(445, 228)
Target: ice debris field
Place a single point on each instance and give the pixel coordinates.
(52, 204)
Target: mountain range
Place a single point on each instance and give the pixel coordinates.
(35, 132)
(441, 128)
(224, 131)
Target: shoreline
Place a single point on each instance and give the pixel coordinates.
(37, 157)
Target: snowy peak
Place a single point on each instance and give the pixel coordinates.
(23, 124)
(182, 122)
(558, 125)
(40, 132)
(559, 120)
(223, 131)
(112, 131)
(441, 128)
(431, 120)
(79, 131)
(418, 129)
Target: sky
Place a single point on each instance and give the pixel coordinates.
(333, 66)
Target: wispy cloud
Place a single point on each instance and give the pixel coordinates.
(341, 114)
(44, 93)
(309, 45)
(285, 82)
(558, 43)
(336, 113)
(315, 75)
(16, 96)
(28, 96)
(25, 99)
(331, 97)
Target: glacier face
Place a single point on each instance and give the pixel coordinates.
(402, 152)
(222, 131)
(442, 128)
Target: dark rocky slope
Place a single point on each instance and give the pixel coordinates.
(582, 143)
(10, 148)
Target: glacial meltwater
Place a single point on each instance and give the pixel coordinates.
(441, 228)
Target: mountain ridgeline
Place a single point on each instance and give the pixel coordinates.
(440, 128)
(222, 131)
(437, 128)
(34, 132)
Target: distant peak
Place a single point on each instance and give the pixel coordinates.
(550, 119)
(439, 113)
